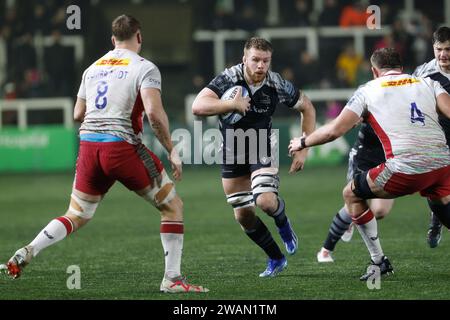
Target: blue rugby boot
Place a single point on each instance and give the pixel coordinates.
(274, 267)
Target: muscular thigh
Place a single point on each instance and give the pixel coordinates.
(90, 178)
(239, 184)
(135, 166)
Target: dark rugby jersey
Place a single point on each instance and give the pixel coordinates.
(431, 69)
(275, 90)
(369, 151)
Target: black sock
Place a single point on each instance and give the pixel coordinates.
(340, 224)
(440, 212)
(280, 216)
(262, 237)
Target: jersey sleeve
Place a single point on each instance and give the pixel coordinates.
(419, 70)
(151, 78)
(358, 102)
(438, 89)
(220, 84)
(82, 90)
(288, 93)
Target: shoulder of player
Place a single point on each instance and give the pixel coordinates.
(275, 80)
(426, 69)
(365, 88)
(235, 73)
(144, 63)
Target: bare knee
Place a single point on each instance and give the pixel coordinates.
(77, 221)
(173, 210)
(267, 202)
(380, 212)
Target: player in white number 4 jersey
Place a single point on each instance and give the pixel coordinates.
(115, 92)
(403, 111)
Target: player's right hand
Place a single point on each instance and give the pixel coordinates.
(241, 104)
(176, 164)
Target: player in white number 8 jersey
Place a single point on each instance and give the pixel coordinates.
(403, 111)
(114, 94)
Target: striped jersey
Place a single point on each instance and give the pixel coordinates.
(402, 111)
(433, 71)
(264, 99)
(111, 87)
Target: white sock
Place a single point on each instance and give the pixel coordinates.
(172, 235)
(368, 228)
(55, 231)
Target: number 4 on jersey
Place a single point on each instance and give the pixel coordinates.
(416, 114)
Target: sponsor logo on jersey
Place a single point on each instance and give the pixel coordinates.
(401, 82)
(113, 62)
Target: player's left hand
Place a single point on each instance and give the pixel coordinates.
(176, 164)
(298, 161)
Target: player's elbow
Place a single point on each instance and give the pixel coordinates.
(153, 117)
(197, 109)
(78, 116)
(309, 111)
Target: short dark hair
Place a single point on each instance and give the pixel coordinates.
(124, 27)
(442, 34)
(386, 58)
(259, 44)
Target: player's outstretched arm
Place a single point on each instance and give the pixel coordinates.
(207, 103)
(79, 110)
(346, 120)
(159, 122)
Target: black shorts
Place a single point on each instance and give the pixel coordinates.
(239, 170)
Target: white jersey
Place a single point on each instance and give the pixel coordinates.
(111, 87)
(402, 111)
(429, 68)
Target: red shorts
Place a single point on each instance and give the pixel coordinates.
(100, 164)
(434, 184)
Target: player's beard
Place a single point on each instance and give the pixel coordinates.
(255, 78)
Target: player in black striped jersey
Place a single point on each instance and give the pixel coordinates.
(250, 176)
(438, 69)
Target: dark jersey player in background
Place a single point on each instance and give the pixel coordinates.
(438, 69)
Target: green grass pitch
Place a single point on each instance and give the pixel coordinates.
(120, 255)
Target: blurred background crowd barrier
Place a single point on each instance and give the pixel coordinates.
(322, 46)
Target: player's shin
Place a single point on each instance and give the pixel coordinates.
(262, 237)
(368, 228)
(172, 236)
(340, 224)
(55, 231)
(280, 215)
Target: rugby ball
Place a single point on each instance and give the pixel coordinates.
(232, 117)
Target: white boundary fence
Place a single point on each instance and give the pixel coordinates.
(23, 105)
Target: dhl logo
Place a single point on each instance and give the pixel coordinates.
(401, 82)
(113, 62)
